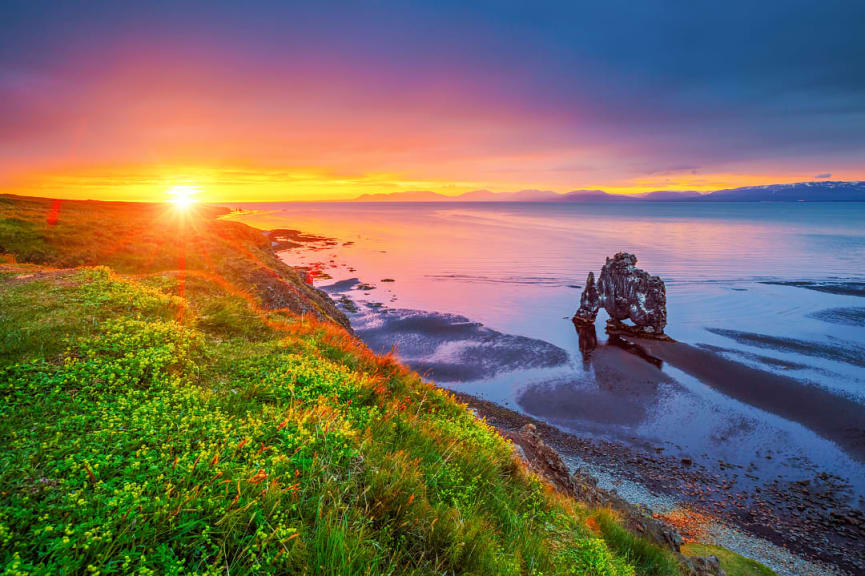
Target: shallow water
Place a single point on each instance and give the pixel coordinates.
(777, 287)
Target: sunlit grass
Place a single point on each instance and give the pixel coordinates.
(236, 438)
(148, 445)
(733, 564)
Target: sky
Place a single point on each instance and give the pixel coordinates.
(329, 100)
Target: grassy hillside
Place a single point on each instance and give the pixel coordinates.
(732, 563)
(163, 420)
(141, 239)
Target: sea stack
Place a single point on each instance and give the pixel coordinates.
(626, 293)
(589, 302)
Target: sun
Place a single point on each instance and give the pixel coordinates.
(183, 196)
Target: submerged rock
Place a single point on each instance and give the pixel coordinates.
(626, 293)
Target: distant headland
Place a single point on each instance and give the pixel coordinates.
(823, 191)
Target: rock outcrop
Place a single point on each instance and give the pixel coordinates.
(590, 302)
(546, 462)
(626, 293)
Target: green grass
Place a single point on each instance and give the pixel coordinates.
(651, 559)
(733, 564)
(147, 239)
(136, 443)
(152, 433)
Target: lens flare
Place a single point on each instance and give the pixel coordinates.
(183, 196)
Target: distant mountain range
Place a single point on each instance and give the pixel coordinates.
(799, 192)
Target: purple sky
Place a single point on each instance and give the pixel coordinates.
(262, 100)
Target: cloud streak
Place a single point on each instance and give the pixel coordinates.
(500, 96)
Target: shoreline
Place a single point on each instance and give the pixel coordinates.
(312, 453)
(697, 495)
(657, 479)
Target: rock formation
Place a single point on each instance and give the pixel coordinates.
(546, 462)
(584, 319)
(589, 302)
(626, 293)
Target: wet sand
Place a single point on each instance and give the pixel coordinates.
(758, 358)
(845, 316)
(836, 350)
(839, 288)
(829, 415)
(626, 389)
(442, 347)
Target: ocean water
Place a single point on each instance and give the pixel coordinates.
(482, 295)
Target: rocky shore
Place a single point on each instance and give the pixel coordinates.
(801, 527)
(547, 463)
(694, 496)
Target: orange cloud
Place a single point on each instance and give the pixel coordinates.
(315, 130)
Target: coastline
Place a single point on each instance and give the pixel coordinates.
(691, 496)
(207, 406)
(687, 496)
(161, 408)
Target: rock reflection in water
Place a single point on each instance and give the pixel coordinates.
(588, 342)
(588, 338)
